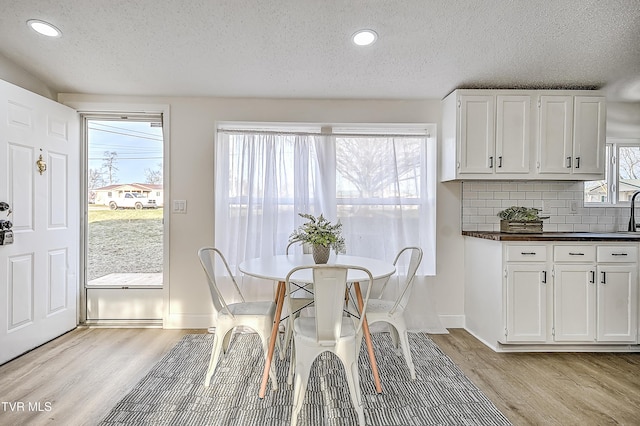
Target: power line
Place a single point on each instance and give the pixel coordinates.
(123, 128)
(126, 158)
(125, 134)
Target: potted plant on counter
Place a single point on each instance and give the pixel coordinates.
(525, 220)
(321, 234)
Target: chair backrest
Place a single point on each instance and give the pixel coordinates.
(207, 257)
(405, 288)
(330, 283)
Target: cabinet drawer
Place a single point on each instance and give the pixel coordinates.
(574, 254)
(526, 253)
(618, 254)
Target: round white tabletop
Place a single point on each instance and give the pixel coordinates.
(277, 267)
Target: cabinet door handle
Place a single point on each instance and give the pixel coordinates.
(592, 280)
(618, 254)
(604, 278)
(577, 162)
(544, 277)
(576, 254)
(568, 162)
(500, 161)
(491, 162)
(528, 253)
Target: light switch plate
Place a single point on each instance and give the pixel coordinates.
(179, 206)
(573, 207)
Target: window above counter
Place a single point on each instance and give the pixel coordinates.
(621, 177)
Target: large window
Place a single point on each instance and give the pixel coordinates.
(622, 174)
(379, 182)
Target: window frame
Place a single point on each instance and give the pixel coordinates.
(427, 131)
(612, 174)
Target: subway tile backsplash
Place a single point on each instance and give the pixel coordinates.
(561, 201)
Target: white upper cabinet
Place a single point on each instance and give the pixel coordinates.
(589, 134)
(555, 153)
(513, 133)
(477, 138)
(572, 135)
(500, 134)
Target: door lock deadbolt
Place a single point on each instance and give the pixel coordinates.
(6, 234)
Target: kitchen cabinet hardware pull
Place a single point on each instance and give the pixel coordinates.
(528, 253)
(491, 162)
(618, 254)
(544, 277)
(592, 280)
(576, 254)
(577, 162)
(500, 161)
(604, 278)
(568, 162)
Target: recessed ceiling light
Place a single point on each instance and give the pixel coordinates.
(44, 28)
(364, 37)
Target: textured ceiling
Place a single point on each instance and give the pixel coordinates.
(302, 48)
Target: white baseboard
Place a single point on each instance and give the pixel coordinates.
(452, 321)
(182, 321)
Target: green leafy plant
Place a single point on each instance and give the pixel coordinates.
(319, 231)
(521, 214)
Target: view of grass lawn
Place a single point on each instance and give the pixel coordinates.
(124, 240)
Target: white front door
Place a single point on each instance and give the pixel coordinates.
(39, 271)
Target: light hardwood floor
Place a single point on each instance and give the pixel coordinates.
(77, 378)
(551, 388)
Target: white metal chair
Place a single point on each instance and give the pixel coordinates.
(392, 311)
(329, 330)
(258, 316)
(301, 296)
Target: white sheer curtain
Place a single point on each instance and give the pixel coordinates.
(382, 188)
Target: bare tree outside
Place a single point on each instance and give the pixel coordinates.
(109, 164)
(629, 162)
(153, 176)
(374, 165)
(95, 179)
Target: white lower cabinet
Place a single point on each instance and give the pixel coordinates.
(526, 277)
(554, 295)
(574, 303)
(595, 296)
(617, 305)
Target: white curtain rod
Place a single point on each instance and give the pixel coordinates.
(344, 135)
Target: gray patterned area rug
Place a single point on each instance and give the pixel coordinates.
(172, 393)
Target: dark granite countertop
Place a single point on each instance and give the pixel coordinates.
(556, 236)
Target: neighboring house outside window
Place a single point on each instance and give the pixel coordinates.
(622, 175)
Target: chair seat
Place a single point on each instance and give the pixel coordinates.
(253, 308)
(381, 307)
(305, 328)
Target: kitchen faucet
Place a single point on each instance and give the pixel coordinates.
(632, 221)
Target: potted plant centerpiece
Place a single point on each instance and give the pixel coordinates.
(321, 234)
(521, 220)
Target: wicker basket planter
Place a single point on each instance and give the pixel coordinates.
(519, 227)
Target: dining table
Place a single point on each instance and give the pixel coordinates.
(276, 267)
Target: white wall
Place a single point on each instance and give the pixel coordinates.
(14, 74)
(192, 129)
